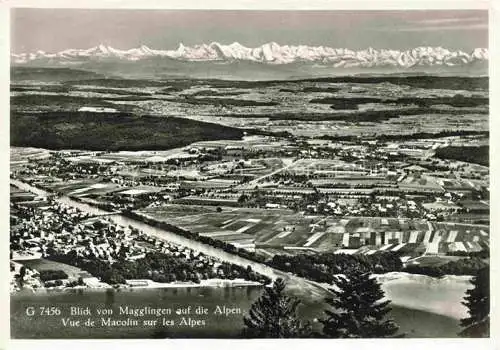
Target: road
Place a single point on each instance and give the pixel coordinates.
(254, 182)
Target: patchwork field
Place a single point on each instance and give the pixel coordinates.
(273, 231)
(255, 227)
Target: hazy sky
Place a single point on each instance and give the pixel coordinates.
(57, 29)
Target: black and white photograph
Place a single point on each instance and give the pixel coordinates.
(249, 174)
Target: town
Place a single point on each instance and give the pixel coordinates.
(262, 196)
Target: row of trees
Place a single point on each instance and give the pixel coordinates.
(159, 267)
(357, 309)
(320, 267)
(465, 266)
(414, 136)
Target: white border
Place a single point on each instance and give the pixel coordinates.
(368, 344)
(259, 5)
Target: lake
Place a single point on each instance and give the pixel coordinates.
(413, 323)
(425, 299)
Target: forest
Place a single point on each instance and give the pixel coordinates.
(470, 154)
(111, 131)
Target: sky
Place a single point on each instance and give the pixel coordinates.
(53, 30)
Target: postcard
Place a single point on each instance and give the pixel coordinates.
(249, 173)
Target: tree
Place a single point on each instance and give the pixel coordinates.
(274, 315)
(22, 273)
(477, 301)
(359, 309)
(243, 198)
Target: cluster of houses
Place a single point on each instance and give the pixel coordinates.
(57, 230)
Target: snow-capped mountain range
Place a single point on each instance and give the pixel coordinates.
(269, 53)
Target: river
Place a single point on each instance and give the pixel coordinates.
(417, 321)
(295, 284)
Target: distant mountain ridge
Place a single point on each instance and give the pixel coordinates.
(268, 61)
(272, 53)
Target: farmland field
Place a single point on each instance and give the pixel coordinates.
(79, 188)
(271, 231)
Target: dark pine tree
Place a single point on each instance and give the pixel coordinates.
(359, 311)
(274, 315)
(477, 301)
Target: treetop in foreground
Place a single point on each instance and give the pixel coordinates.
(359, 309)
(477, 300)
(274, 315)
